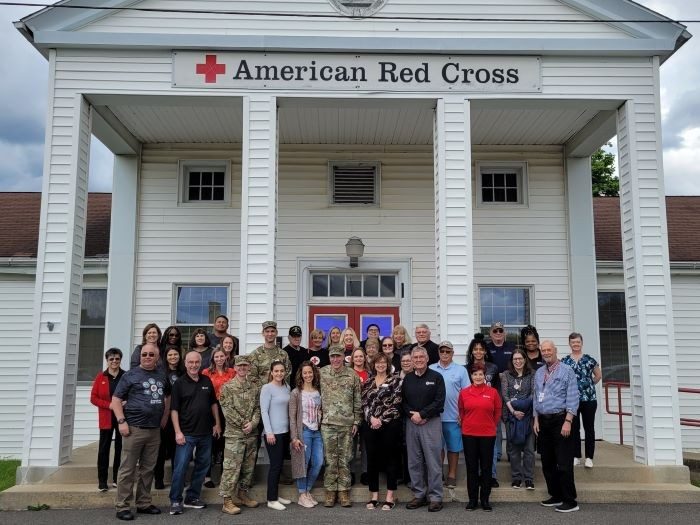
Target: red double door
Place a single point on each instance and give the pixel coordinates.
(356, 317)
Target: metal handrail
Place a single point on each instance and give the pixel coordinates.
(619, 385)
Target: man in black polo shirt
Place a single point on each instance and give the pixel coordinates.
(297, 353)
(195, 419)
(423, 393)
(422, 334)
(140, 403)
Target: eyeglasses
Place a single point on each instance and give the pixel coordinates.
(388, 346)
(148, 354)
(445, 351)
(114, 359)
(518, 359)
(498, 330)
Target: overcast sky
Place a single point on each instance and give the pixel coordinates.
(23, 93)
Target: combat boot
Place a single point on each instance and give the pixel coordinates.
(330, 498)
(229, 507)
(245, 500)
(344, 497)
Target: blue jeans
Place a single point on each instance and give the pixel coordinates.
(202, 459)
(313, 446)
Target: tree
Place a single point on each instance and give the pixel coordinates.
(605, 184)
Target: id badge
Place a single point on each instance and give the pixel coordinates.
(540, 398)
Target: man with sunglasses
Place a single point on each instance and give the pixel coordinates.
(501, 353)
(456, 378)
(141, 403)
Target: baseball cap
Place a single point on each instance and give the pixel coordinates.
(295, 331)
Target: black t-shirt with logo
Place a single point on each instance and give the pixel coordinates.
(144, 392)
(193, 400)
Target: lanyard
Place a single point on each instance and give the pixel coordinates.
(549, 372)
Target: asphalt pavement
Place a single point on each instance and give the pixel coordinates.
(503, 513)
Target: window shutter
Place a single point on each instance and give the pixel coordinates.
(354, 184)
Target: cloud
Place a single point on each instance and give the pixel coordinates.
(681, 164)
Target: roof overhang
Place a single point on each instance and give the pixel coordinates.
(654, 35)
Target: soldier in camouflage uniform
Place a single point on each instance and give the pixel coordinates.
(342, 413)
(262, 357)
(240, 404)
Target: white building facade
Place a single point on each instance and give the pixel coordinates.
(251, 143)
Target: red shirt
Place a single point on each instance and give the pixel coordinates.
(219, 379)
(362, 374)
(479, 410)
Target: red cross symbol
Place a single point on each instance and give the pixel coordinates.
(210, 69)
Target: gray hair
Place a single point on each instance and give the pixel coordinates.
(419, 349)
(550, 342)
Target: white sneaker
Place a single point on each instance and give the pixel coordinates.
(577, 462)
(275, 505)
(284, 501)
(589, 463)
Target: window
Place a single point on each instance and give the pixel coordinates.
(92, 333)
(502, 184)
(354, 183)
(612, 321)
(353, 285)
(509, 305)
(196, 306)
(205, 181)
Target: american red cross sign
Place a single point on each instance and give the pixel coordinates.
(210, 69)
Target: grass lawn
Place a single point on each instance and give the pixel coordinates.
(696, 482)
(7, 473)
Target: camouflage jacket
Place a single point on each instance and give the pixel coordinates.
(240, 403)
(340, 397)
(261, 359)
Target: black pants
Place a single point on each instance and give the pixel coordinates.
(276, 455)
(586, 412)
(557, 459)
(103, 453)
(383, 448)
(166, 450)
(218, 444)
(478, 455)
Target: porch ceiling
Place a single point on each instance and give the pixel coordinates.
(353, 121)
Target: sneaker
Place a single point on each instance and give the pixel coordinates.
(284, 501)
(589, 463)
(529, 485)
(114, 484)
(209, 484)
(451, 483)
(515, 484)
(275, 505)
(567, 507)
(494, 483)
(304, 501)
(102, 487)
(175, 508)
(195, 504)
(577, 462)
(551, 502)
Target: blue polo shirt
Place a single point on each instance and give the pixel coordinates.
(456, 378)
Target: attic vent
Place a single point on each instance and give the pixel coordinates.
(355, 183)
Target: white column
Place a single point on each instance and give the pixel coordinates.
(453, 221)
(122, 255)
(650, 336)
(258, 217)
(59, 275)
(582, 262)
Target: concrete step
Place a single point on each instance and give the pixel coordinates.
(86, 496)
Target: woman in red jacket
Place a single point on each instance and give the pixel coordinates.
(101, 396)
(479, 412)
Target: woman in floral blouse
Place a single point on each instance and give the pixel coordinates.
(588, 374)
(381, 406)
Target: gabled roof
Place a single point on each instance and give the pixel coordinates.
(653, 34)
(19, 224)
(682, 217)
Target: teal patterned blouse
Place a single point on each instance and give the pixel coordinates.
(584, 375)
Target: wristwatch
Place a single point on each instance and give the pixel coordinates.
(120, 421)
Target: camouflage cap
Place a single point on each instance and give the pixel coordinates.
(242, 360)
(269, 324)
(335, 350)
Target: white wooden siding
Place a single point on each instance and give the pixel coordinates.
(208, 24)
(16, 314)
(183, 244)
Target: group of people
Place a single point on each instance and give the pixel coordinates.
(409, 405)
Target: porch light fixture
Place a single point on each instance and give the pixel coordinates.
(354, 249)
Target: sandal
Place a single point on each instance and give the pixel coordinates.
(372, 504)
(388, 505)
